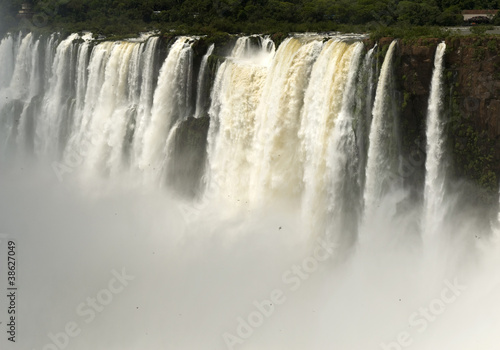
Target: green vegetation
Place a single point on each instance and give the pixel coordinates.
(118, 17)
(473, 150)
(480, 30)
(8, 10)
(408, 32)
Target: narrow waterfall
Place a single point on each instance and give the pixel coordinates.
(382, 152)
(201, 85)
(363, 113)
(435, 176)
(143, 109)
(343, 187)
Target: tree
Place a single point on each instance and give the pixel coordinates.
(417, 13)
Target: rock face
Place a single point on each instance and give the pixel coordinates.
(476, 63)
(472, 104)
(473, 74)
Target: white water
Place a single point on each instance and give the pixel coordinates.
(363, 112)
(6, 57)
(285, 168)
(435, 180)
(342, 163)
(322, 105)
(380, 171)
(201, 81)
(237, 90)
(275, 170)
(171, 103)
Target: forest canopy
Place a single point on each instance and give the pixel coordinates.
(235, 16)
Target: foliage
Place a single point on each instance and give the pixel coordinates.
(473, 150)
(241, 16)
(480, 29)
(408, 32)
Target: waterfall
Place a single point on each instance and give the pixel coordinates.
(171, 103)
(305, 234)
(343, 187)
(28, 115)
(7, 58)
(83, 104)
(435, 177)
(322, 105)
(382, 151)
(237, 90)
(53, 125)
(275, 170)
(201, 82)
(81, 80)
(16, 86)
(85, 121)
(363, 113)
(145, 98)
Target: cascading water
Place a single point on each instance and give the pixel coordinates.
(171, 104)
(435, 177)
(342, 163)
(55, 121)
(322, 104)
(238, 87)
(275, 171)
(6, 57)
(202, 78)
(303, 238)
(16, 86)
(380, 168)
(363, 113)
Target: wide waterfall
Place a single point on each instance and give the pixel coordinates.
(175, 193)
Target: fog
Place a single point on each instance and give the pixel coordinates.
(189, 283)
